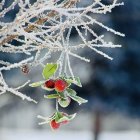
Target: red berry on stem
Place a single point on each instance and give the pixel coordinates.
(60, 85)
(50, 83)
(65, 122)
(54, 124)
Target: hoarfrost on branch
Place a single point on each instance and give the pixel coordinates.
(45, 26)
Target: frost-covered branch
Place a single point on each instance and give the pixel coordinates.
(45, 26)
(4, 86)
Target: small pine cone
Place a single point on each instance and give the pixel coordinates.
(25, 69)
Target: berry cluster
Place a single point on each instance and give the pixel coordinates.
(61, 92)
(59, 84)
(55, 124)
(57, 119)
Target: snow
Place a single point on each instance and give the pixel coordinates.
(123, 135)
(69, 135)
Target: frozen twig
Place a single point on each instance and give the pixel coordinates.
(41, 27)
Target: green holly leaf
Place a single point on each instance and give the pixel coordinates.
(71, 91)
(49, 70)
(45, 88)
(78, 99)
(66, 118)
(58, 115)
(75, 80)
(72, 94)
(37, 84)
(63, 94)
(64, 102)
(51, 96)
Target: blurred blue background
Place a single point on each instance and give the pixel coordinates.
(112, 88)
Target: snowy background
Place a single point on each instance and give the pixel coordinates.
(112, 88)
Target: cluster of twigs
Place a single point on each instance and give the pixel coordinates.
(45, 26)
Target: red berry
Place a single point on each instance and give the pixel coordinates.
(64, 122)
(54, 124)
(60, 85)
(50, 83)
